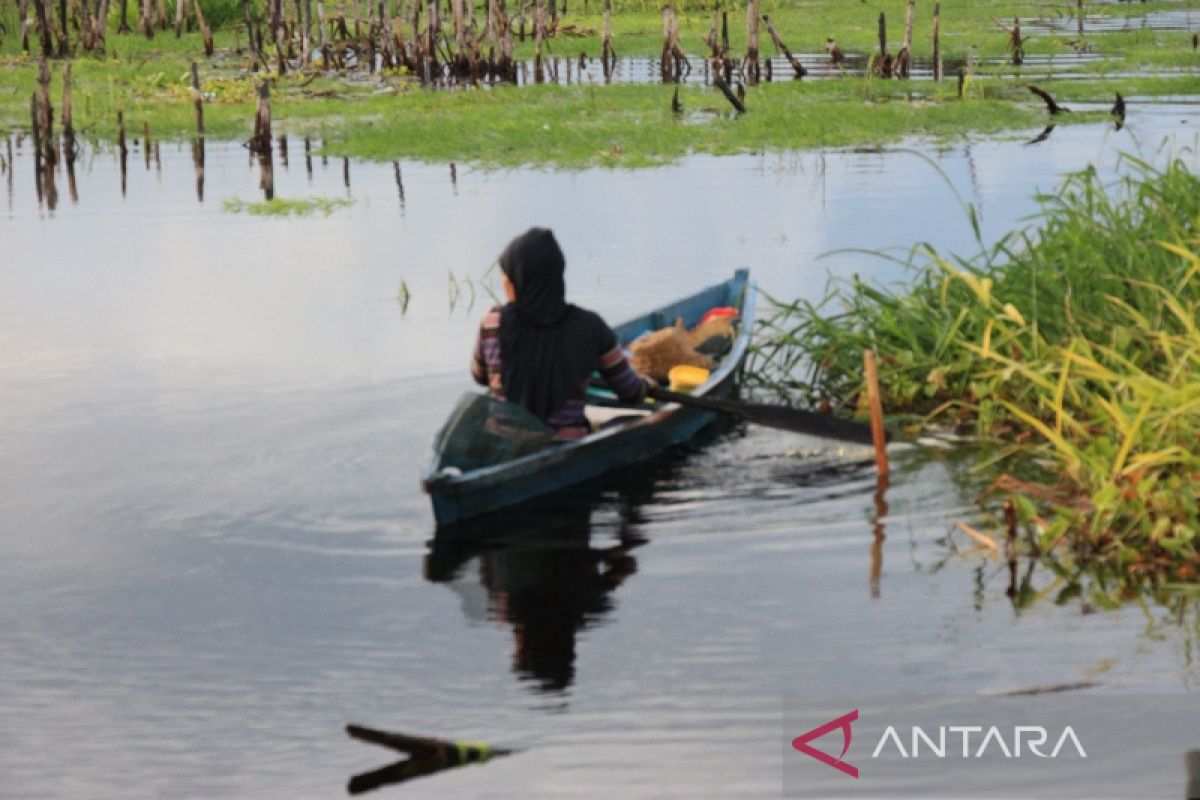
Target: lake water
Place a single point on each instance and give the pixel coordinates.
(216, 553)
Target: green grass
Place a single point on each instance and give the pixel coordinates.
(622, 125)
(1072, 346)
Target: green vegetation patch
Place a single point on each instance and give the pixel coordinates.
(291, 207)
(389, 116)
(1073, 347)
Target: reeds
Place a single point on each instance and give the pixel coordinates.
(1074, 346)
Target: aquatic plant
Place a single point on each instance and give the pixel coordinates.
(1073, 347)
(280, 207)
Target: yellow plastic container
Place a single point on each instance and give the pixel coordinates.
(684, 378)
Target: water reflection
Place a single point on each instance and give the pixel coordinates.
(544, 575)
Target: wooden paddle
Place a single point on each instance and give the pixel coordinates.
(773, 416)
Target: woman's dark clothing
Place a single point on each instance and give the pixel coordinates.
(539, 351)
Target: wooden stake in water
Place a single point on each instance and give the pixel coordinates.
(261, 143)
(122, 149)
(904, 59)
(198, 164)
(144, 23)
(538, 33)
(665, 64)
(43, 26)
(205, 32)
(607, 56)
(937, 46)
(875, 403)
(783, 48)
(885, 58)
(45, 115)
(752, 17)
(68, 125)
(198, 99)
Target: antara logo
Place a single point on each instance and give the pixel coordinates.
(801, 743)
(1032, 737)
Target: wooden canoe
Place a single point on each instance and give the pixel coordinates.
(628, 437)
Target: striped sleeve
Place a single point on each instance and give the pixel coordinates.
(616, 371)
(485, 361)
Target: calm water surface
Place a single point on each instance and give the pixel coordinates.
(216, 553)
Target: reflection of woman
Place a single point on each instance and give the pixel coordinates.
(542, 577)
(538, 350)
(548, 594)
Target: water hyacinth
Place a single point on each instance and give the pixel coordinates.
(1073, 346)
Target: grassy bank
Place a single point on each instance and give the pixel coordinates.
(389, 116)
(1072, 347)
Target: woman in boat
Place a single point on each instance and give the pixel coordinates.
(538, 350)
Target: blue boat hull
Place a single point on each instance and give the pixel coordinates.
(458, 497)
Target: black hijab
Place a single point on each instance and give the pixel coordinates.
(543, 360)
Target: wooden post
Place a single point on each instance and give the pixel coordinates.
(267, 173)
(306, 35)
(431, 29)
(277, 36)
(43, 23)
(721, 84)
(538, 32)
(783, 48)
(122, 149)
(205, 31)
(198, 163)
(261, 143)
(147, 148)
(145, 8)
(607, 56)
(251, 38)
(665, 69)
(508, 67)
(937, 46)
(35, 128)
(68, 126)
(99, 26)
(198, 99)
(680, 64)
(399, 183)
(64, 44)
(904, 58)
(23, 13)
(45, 116)
(752, 17)
(86, 27)
(885, 58)
(460, 37)
(878, 434)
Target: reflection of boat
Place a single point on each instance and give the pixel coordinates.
(540, 574)
(521, 468)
